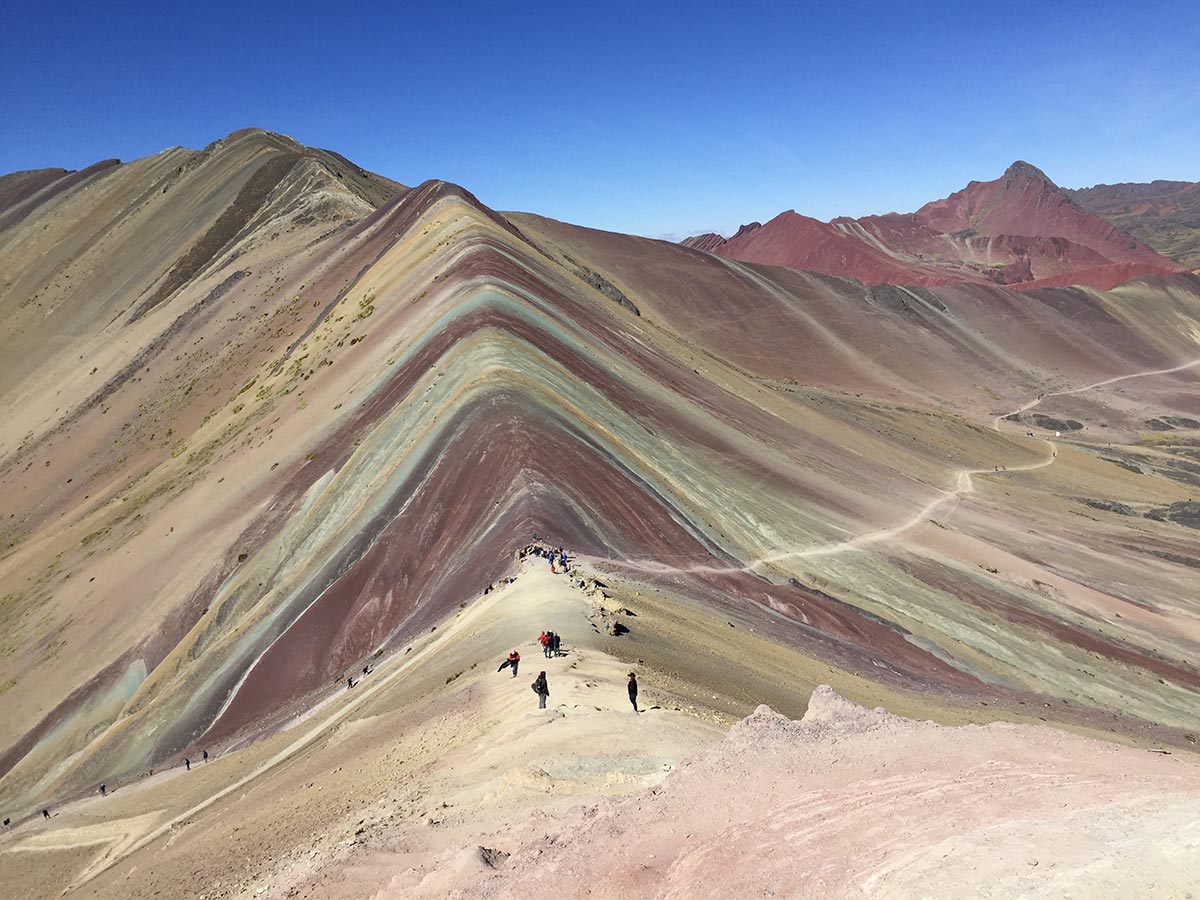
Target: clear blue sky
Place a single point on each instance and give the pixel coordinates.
(649, 117)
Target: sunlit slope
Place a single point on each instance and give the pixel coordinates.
(229, 492)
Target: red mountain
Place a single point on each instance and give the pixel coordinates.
(1020, 230)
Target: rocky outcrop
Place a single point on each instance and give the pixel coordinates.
(708, 242)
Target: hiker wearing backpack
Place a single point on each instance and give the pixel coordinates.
(541, 689)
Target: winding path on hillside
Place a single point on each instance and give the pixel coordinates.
(964, 484)
(123, 837)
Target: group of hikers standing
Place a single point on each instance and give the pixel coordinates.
(551, 644)
(551, 647)
(558, 559)
(550, 641)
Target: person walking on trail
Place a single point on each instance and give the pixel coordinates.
(204, 756)
(633, 691)
(556, 643)
(104, 790)
(513, 660)
(541, 689)
(45, 813)
(187, 764)
(544, 640)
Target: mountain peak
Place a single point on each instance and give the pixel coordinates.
(1023, 170)
(1020, 230)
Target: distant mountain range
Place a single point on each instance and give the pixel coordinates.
(1163, 214)
(1020, 230)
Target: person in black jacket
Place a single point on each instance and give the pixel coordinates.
(541, 689)
(633, 691)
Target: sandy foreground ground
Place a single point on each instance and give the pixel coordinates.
(438, 776)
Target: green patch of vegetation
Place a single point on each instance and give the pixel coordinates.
(95, 535)
(1153, 439)
(366, 307)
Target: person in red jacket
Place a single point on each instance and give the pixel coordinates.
(514, 659)
(544, 640)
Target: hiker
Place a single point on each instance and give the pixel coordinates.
(204, 755)
(104, 790)
(556, 643)
(6, 821)
(514, 660)
(633, 691)
(187, 764)
(541, 689)
(544, 640)
(349, 682)
(45, 813)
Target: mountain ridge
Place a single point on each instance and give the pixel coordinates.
(1019, 230)
(1164, 214)
(338, 420)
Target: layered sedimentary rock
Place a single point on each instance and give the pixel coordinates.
(267, 415)
(1019, 230)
